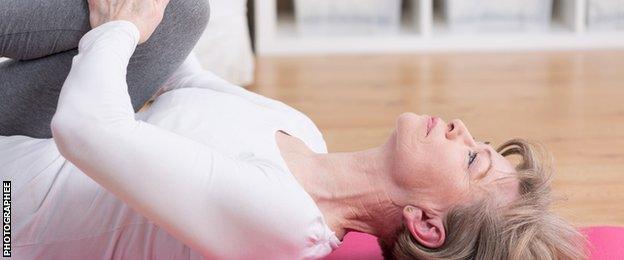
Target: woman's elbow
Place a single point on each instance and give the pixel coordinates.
(70, 133)
(62, 128)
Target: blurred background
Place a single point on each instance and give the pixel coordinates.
(550, 71)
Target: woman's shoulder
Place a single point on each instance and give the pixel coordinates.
(289, 115)
(269, 207)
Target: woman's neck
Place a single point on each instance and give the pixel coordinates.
(351, 189)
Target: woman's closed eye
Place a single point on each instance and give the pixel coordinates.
(475, 166)
(472, 156)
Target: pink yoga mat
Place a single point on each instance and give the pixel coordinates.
(605, 243)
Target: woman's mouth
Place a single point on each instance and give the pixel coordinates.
(431, 123)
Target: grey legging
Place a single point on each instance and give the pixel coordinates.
(41, 37)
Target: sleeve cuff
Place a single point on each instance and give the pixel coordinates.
(120, 29)
(125, 25)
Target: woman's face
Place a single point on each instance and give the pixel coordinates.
(441, 163)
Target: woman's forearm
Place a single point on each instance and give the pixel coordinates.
(96, 85)
(95, 129)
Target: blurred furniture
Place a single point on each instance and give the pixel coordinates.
(605, 14)
(225, 46)
(347, 17)
(427, 25)
(496, 15)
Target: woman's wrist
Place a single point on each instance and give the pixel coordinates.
(132, 28)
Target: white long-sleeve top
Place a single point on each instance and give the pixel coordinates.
(197, 174)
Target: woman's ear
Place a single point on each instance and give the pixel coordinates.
(426, 229)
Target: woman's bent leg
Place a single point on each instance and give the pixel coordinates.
(31, 29)
(29, 93)
(29, 89)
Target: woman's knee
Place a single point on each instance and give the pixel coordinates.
(34, 29)
(188, 17)
(202, 14)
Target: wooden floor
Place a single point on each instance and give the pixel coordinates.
(572, 102)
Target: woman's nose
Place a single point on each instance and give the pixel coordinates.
(457, 131)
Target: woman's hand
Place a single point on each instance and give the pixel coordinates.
(145, 14)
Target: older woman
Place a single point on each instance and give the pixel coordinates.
(212, 170)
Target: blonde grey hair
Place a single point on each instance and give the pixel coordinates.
(523, 229)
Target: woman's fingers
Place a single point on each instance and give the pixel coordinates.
(145, 14)
(163, 3)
